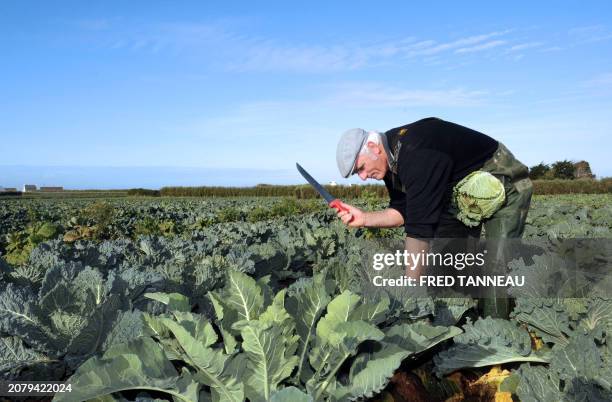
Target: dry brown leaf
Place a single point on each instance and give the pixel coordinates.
(503, 397)
(485, 387)
(536, 342)
(493, 378)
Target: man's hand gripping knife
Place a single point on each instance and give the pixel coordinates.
(356, 218)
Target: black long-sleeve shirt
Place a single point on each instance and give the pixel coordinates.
(433, 157)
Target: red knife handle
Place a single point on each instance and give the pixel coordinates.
(337, 204)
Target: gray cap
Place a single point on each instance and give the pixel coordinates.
(348, 149)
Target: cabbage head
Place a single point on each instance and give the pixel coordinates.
(477, 197)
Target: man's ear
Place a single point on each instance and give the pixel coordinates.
(374, 147)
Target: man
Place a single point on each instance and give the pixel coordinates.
(421, 163)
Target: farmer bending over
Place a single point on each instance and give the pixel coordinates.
(434, 171)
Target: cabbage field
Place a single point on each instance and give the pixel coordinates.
(261, 299)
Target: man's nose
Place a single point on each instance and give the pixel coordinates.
(363, 176)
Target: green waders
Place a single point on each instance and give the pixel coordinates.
(508, 222)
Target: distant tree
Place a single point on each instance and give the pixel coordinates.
(538, 171)
(564, 170)
(583, 170)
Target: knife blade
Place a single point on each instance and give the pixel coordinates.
(331, 200)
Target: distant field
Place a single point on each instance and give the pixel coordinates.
(541, 187)
(77, 194)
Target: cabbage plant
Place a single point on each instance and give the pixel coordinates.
(302, 343)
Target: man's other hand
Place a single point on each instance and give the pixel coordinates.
(356, 214)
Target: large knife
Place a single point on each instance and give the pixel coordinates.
(331, 200)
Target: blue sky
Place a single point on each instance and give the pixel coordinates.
(105, 94)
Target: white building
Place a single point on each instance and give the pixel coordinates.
(29, 188)
(333, 183)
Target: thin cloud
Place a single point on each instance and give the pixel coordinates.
(240, 52)
(591, 33)
(262, 117)
(269, 55)
(470, 40)
(524, 46)
(552, 49)
(424, 44)
(118, 35)
(376, 95)
(483, 46)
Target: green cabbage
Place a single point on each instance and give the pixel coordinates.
(478, 196)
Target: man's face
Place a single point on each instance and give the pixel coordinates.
(372, 165)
